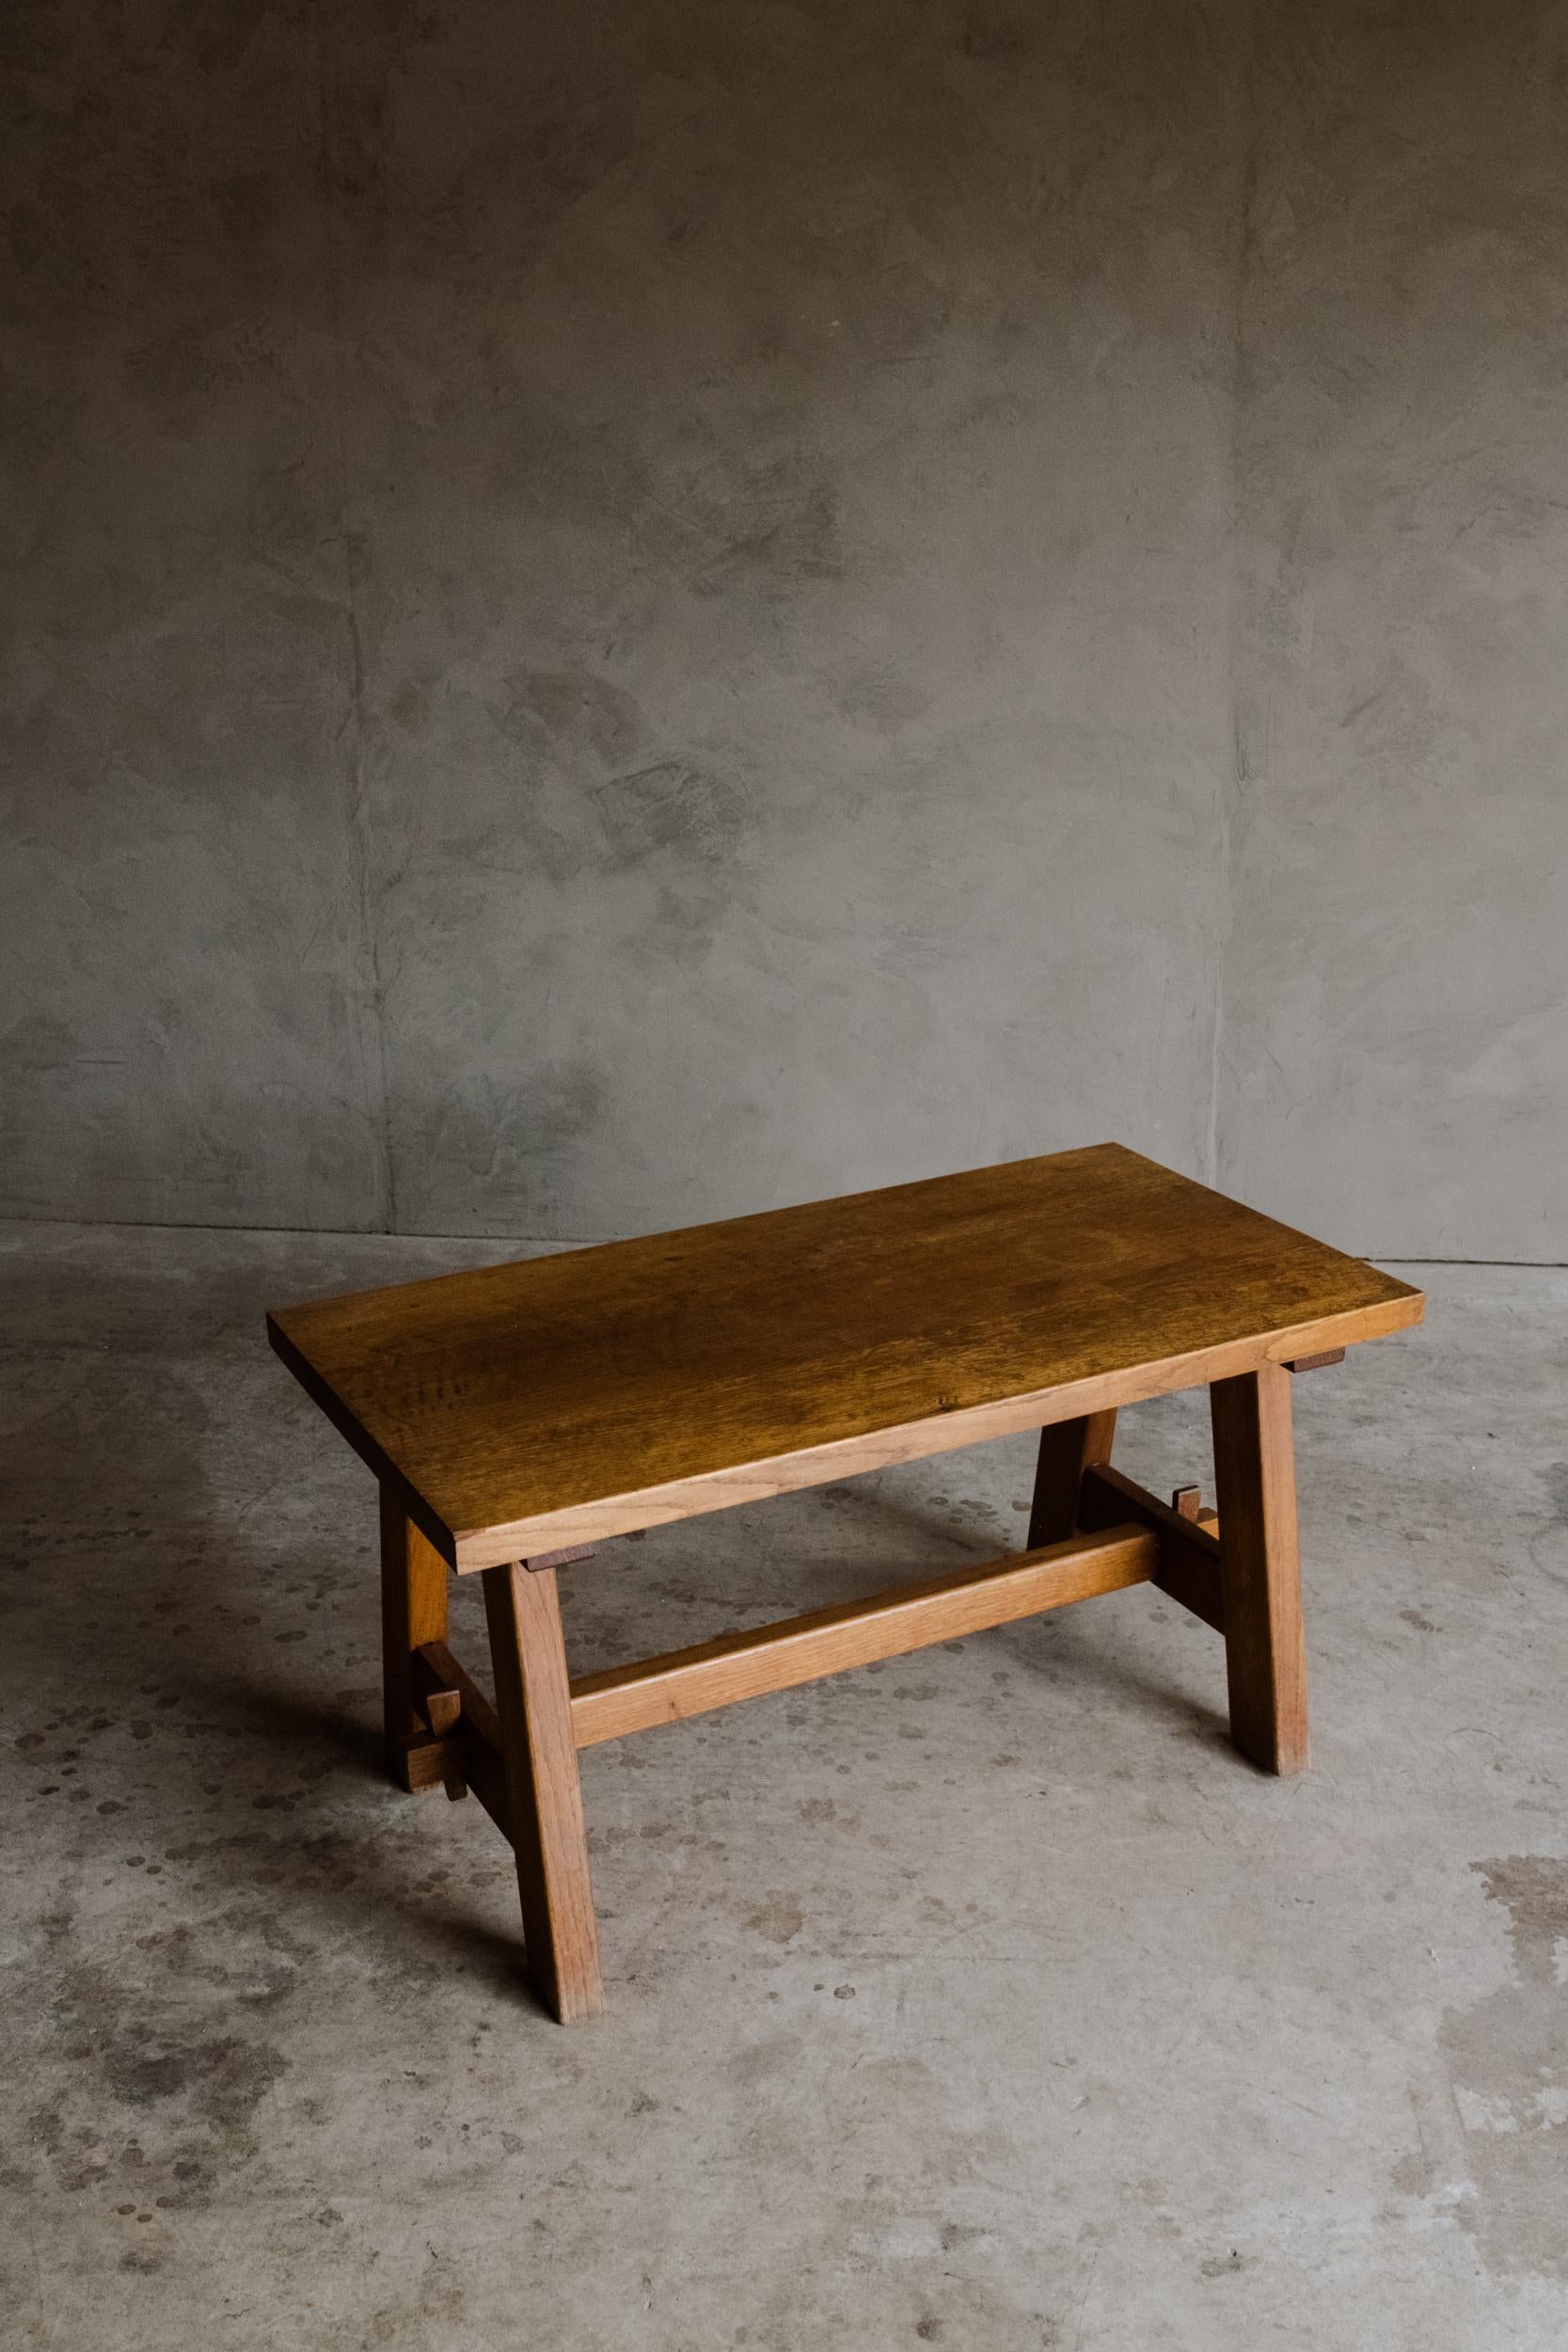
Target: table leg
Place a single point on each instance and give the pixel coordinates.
(1068, 1449)
(413, 1611)
(534, 1703)
(1265, 1654)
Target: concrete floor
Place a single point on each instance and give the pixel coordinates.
(985, 1999)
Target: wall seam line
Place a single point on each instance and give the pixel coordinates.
(371, 1024)
(1234, 777)
(591, 1241)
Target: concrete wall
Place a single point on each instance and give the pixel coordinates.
(1395, 1040)
(635, 611)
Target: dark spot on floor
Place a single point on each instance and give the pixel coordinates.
(1555, 1478)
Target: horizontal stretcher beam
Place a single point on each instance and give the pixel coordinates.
(856, 1633)
(776, 1657)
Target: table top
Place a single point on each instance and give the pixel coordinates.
(520, 1408)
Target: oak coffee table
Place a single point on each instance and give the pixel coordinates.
(519, 1416)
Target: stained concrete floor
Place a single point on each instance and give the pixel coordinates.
(983, 2000)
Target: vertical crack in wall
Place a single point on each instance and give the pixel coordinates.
(368, 1001)
(1234, 778)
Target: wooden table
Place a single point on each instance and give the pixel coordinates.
(519, 1416)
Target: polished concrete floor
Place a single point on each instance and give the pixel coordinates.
(983, 2000)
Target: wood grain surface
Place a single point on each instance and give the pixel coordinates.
(413, 1611)
(1068, 1449)
(544, 1798)
(1255, 1478)
(520, 1408)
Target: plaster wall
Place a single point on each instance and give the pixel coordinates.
(629, 612)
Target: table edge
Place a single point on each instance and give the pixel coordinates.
(469, 1549)
(321, 1393)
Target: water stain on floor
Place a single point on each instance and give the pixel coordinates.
(1507, 2060)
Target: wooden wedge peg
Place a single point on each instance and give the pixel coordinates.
(441, 1711)
(1188, 1504)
